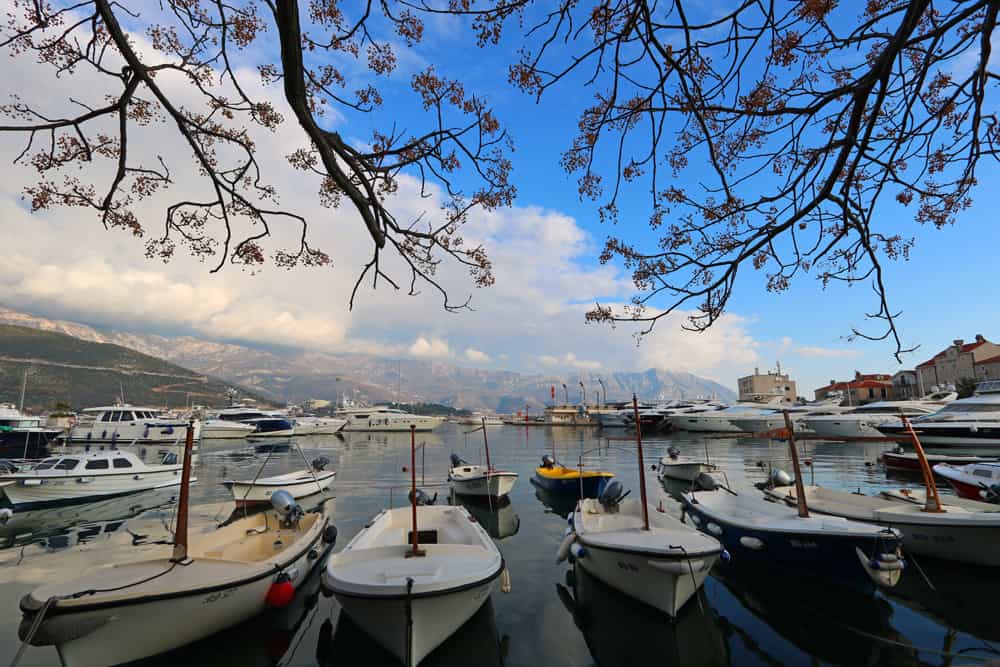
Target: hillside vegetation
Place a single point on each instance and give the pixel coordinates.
(83, 373)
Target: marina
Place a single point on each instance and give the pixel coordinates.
(740, 620)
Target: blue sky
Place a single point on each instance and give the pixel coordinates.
(546, 253)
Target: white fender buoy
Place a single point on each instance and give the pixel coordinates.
(714, 528)
(751, 543)
(577, 550)
(563, 551)
(883, 571)
(505, 581)
(695, 519)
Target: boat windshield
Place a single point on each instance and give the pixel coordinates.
(46, 464)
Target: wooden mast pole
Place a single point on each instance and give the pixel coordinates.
(933, 501)
(415, 551)
(486, 445)
(800, 492)
(642, 464)
(181, 530)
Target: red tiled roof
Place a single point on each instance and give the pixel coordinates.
(856, 384)
(990, 360)
(968, 347)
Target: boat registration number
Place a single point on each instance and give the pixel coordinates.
(218, 595)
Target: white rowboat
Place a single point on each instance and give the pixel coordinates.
(300, 483)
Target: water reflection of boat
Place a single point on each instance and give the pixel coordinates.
(475, 643)
(498, 518)
(556, 503)
(67, 525)
(274, 446)
(616, 628)
(829, 623)
(964, 597)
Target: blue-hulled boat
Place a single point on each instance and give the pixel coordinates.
(759, 533)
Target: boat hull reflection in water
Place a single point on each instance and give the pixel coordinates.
(621, 632)
(497, 517)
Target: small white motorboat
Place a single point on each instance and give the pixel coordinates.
(918, 496)
(642, 552)
(410, 604)
(79, 478)
(223, 429)
(675, 467)
(479, 480)
(114, 613)
(299, 484)
(663, 565)
(318, 425)
(975, 481)
(414, 575)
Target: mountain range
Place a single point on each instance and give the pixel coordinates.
(295, 375)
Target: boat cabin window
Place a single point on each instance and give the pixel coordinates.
(106, 416)
(361, 416)
(97, 464)
(67, 464)
(122, 463)
(983, 473)
(46, 464)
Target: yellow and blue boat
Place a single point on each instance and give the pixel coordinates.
(557, 478)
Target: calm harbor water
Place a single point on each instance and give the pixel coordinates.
(549, 617)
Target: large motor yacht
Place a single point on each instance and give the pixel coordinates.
(265, 423)
(771, 421)
(381, 418)
(967, 422)
(718, 421)
(127, 424)
(21, 435)
(863, 422)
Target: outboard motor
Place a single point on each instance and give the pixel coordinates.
(991, 494)
(548, 461)
(705, 482)
(457, 460)
(319, 463)
(288, 510)
(673, 452)
(7, 467)
(611, 496)
(781, 478)
(422, 497)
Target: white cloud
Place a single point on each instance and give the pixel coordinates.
(548, 360)
(430, 348)
(477, 356)
(569, 360)
(814, 352)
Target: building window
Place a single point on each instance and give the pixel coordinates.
(871, 393)
(884, 395)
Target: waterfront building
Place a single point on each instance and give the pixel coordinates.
(904, 385)
(767, 385)
(864, 388)
(958, 361)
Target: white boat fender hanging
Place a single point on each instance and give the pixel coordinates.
(752, 542)
(714, 528)
(577, 551)
(505, 581)
(887, 562)
(562, 553)
(569, 518)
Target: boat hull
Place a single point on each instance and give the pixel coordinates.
(434, 617)
(933, 435)
(685, 471)
(833, 557)
(115, 633)
(123, 433)
(663, 583)
(895, 461)
(494, 486)
(71, 490)
(392, 424)
(846, 429)
(591, 487)
(702, 424)
(225, 433)
(249, 493)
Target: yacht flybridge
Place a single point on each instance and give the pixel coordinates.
(381, 418)
(128, 424)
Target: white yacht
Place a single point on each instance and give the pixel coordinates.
(381, 418)
(863, 422)
(221, 429)
(318, 425)
(265, 423)
(718, 421)
(966, 422)
(22, 435)
(84, 477)
(771, 421)
(128, 424)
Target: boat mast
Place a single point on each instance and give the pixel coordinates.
(24, 388)
(933, 502)
(416, 550)
(486, 445)
(800, 492)
(181, 532)
(642, 465)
